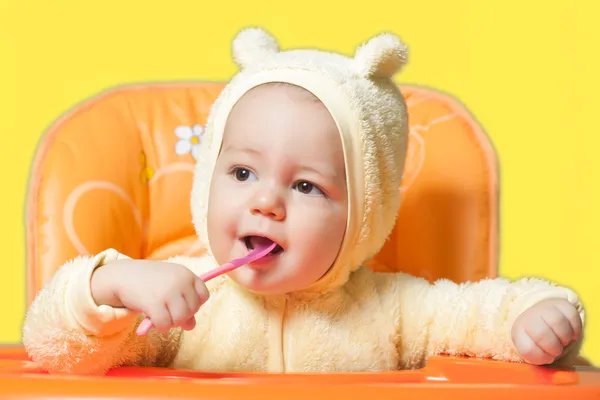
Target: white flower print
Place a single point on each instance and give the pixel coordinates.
(189, 140)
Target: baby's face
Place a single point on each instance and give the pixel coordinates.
(281, 177)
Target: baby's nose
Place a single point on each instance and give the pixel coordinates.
(268, 203)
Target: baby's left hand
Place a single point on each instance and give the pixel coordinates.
(541, 333)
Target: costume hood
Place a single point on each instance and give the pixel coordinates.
(371, 117)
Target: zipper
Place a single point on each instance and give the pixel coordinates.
(276, 312)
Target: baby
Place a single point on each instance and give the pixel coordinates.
(305, 149)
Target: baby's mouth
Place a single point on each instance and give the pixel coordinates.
(255, 241)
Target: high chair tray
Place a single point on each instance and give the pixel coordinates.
(443, 378)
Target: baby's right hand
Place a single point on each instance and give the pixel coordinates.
(170, 294)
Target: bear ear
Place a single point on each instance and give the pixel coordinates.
(252, 45)
(381, 57)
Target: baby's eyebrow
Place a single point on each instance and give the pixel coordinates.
(326, 173)
(231, 148)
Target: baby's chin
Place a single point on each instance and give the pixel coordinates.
(264, 282)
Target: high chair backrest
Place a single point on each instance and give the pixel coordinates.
(116, 171)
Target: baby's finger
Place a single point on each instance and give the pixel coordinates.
(161, 318)
(192, 299)
(179, 310)
(560, 325)
(544, 337)
(571, 314)
(530, 352)
(189, 324)
(201, 290)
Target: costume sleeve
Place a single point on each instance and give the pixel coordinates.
(470, 319)
(65, 331)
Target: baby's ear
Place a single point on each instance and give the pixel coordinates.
(381, 57)
(252, 45)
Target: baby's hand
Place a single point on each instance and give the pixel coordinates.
(543, 331)
(170, 294)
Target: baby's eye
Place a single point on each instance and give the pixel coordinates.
(308, 188)
(242, 174)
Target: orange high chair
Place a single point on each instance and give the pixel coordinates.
(116, 171)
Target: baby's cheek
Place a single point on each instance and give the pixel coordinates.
(220, 241)
(333, 229)
(321, 238)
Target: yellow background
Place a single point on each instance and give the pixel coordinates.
(527, 70)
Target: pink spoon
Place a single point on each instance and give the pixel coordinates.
(254, 255)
